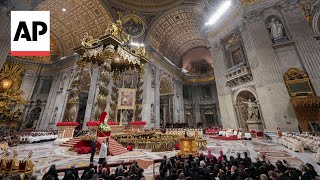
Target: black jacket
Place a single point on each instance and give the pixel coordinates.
(93, 145)
(306, 176)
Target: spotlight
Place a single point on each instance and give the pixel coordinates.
(64, 9)
(222, 9)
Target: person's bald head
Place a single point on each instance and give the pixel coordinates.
(104, 171)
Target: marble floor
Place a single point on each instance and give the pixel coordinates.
(46, 154)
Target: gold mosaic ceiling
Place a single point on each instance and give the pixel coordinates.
(68, 27)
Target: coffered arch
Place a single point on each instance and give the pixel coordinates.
(147, 5)
(71, 19)
(177, 31)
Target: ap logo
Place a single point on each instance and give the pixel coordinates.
(30, 33)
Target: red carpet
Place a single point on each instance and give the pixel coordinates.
(225, 138)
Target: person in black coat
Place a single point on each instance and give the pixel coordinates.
(247, 160)
(163, 162)
(234, 174)
(93, 149)
(68, 176)
(87, 170)
(238, 159)
(51, 174)
(75, 172)
(311, 170)
(104, 174)
(305, 174)
(281, 175)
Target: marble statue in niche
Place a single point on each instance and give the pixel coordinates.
(63, 78)
(253, 111)
(153, 114)
(54, 117)
(309, 6)
(276, 30)
(153, 81)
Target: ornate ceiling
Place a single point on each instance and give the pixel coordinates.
(147, 5)
(177, 31)
(173, 27)
(79, 17)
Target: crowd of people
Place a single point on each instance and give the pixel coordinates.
(14, 138)
(102, 172)
(210, 167)
(38, 136)
(202, 167)
(9, 136)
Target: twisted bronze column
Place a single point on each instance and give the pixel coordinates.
(114, 96)
(139, 95)
(103, 88)
(71, 113)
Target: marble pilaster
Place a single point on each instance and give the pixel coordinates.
(270, 87)
(46, 117)
(4, 34)
(306, 44)
(228, 118)
(91, 96)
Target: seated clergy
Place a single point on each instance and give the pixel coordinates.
(29, 162)
(15, 160)
(4, 159)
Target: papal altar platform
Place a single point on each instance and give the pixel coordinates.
(188, 146)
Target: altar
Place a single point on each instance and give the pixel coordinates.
(188, 146)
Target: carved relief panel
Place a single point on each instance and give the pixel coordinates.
(234, 51)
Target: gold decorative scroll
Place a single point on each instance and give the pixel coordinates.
(306, 101)
(127, 98)
(10, 93)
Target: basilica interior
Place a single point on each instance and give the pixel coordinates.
(246, 65)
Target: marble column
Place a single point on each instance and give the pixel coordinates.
(196, 100)
(46, 118)
(4, 34)
(27, 86)
(157, 97)
(149, 97)
(164, 116)
(62, 94)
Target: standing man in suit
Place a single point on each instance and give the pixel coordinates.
(93, 149)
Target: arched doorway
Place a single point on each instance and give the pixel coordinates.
(209, 119)
(83, 97)
(33, 118)
(189, 117)
(166, 102)
(247, 109)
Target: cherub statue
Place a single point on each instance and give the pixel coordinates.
(86, 40)
(113, 28)
(142, 51)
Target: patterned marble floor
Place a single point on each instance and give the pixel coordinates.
(45, 154)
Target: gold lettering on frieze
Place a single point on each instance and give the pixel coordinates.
(248, 2)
